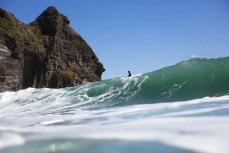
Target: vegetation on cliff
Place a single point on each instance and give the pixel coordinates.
(2, 70)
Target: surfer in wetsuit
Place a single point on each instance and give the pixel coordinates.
(129, 74)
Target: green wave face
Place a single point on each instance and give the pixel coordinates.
(191, 79)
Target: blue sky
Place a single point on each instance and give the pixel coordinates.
(140, 35)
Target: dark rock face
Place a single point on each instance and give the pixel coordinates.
(44, 53)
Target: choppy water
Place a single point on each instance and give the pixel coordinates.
(181, 108)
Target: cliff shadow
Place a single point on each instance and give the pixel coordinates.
(29, 70)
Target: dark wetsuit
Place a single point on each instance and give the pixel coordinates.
(129, 74)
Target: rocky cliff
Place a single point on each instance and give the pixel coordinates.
(44, 53)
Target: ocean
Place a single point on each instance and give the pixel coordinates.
(182, 108)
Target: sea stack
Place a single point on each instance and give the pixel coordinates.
(45, 53)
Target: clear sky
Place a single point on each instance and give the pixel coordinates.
(140, 35)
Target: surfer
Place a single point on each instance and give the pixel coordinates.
(129, 74)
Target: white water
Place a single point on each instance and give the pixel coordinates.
(200, 125)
